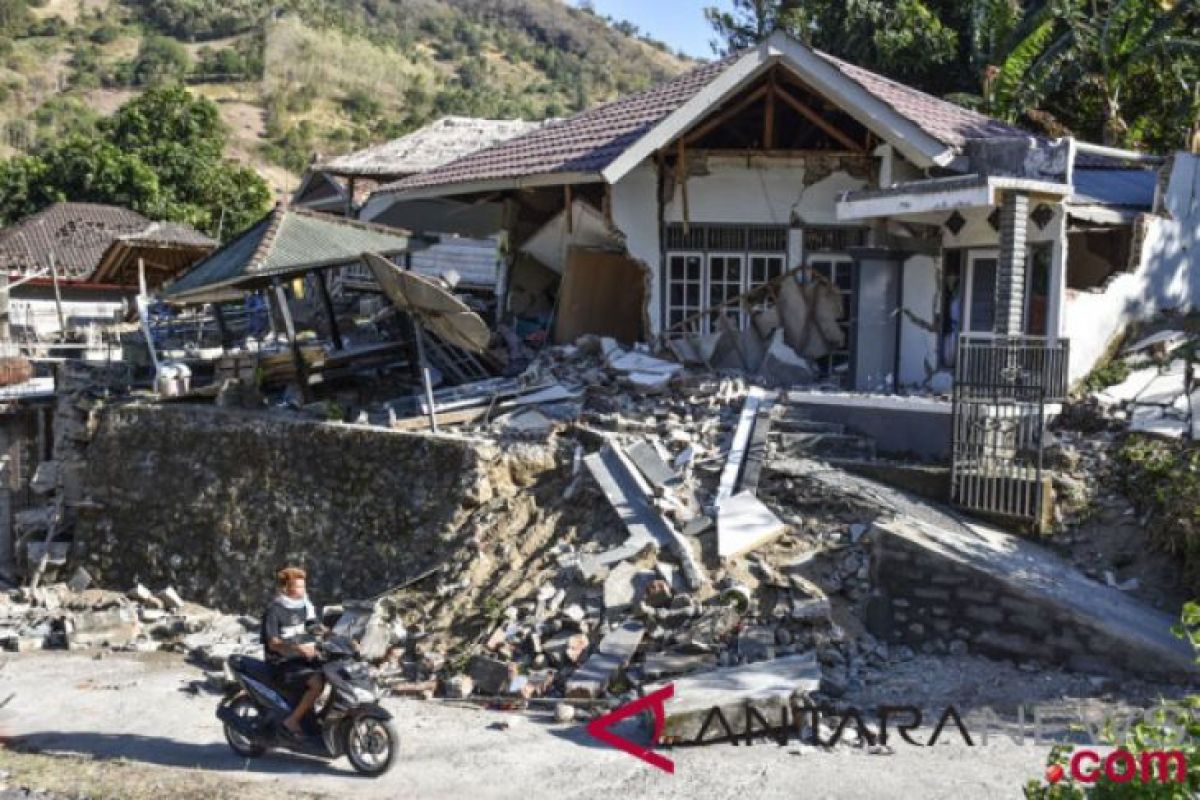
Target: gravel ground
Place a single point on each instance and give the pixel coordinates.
(135, 707)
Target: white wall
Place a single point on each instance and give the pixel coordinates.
(1168, 276)
(767, 192)
(979, 233)
(587, 229)
(919, 320)
(635, 215)
(758, 190)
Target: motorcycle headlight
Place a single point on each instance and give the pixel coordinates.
(363, 695)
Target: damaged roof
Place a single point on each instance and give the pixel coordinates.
(439, 142)
(80, 235)
(286, 242)
(588, 144)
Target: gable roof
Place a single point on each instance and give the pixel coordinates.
(605, 142)
(437, 143)
(286, 242)
(80, 234)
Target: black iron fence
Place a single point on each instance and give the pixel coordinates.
(1001, 388)
(1013, 365)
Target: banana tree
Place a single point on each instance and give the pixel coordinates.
(1116, 41)
(1016, 51)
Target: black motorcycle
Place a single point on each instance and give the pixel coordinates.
(351, 723)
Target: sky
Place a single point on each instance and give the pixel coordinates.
(679, 23)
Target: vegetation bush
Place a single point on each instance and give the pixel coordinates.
(1170, 727)
(1162, 479)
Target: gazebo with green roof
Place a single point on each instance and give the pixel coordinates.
(285, 244)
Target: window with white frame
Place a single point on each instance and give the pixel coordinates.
(710, 265)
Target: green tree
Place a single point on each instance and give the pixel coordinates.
(159, 59)
(1017, 52)
(1116, 43)
(160, 154)
(905, 39)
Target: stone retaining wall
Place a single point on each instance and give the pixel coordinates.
(1004, 602)
(213, 501)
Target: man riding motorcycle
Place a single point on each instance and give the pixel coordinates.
(288, 627)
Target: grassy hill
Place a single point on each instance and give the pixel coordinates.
(299, 77)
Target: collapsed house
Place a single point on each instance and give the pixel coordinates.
(75, 265)
(465, 252)
(656, 217)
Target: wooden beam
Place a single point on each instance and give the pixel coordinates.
(816, 119)
(725, 116)
(769, 115)
(570, 211)
(297, 359)
(327, 301)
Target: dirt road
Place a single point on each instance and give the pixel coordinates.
(133, 707)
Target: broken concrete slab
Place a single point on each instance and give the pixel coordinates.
(662, 665)
(1166, 387)
(629, 496)
(1160, 343)
(766, 686)
(743, 523)
(652, 466)
(783, 366)
(1128, 389)
(624, 586)
(613, 653)
(1015, 598)
(1158, 422)
(738, 446)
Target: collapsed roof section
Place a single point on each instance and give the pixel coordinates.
(285, 243)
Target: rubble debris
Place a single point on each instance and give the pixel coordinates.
(611, 655)
(490, 675)
(628, 494)
(767, 687)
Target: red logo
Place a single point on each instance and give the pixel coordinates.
(599, 727)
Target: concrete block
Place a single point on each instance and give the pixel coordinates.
(613, 653)
(490, 675)
(766, 686)
(744, 523)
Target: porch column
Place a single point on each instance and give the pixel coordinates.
(1010, 277)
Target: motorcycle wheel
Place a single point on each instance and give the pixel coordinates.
(244, 746)
(371, 745)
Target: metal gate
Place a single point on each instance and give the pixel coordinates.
(1001, 389)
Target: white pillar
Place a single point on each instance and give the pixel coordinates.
(1057, 300)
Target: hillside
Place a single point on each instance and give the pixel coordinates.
(300, 77)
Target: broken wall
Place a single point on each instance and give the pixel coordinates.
(1167, 276)
(214, 501)
(748, 190)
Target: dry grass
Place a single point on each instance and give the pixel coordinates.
(118, 779)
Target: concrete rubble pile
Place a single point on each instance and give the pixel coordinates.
(697, 574)
(1159, 395)
(76, 616)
